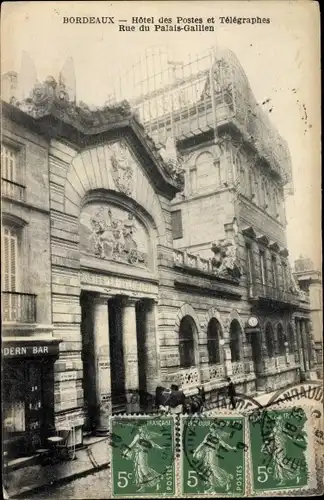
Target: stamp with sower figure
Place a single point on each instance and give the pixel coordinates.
(281, 451)
(142, 456)
(213, 455)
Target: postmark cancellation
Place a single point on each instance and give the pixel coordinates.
(143, 456)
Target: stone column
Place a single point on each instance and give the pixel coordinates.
(305, 345)
(129, 336)
(152, 348)
(310, 345)
(228, 362)
(102, 362)
(302, 353)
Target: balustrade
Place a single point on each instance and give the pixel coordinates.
(12, 189)
(281, 362)
(185, 378)
(291, 359)
(183, 258)
(238, 368)
(216, 372)
(270, 365)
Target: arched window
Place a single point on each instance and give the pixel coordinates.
(206, 173)
(291, 338)
(235, 334)
(186, 342)
(281, 339)
(213, 337)
(269, 340)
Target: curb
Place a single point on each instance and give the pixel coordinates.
(59, 482)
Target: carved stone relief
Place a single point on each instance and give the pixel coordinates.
(225, 260)
(122, 169)
(112, 233)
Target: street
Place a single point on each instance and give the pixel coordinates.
(93, 486)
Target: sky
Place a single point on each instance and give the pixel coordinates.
(281, 60)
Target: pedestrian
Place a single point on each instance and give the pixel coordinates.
(231, 392)
(176, 401)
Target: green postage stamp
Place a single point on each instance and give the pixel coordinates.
(143, 456)
(213, 455)
(218, 453)
(282, 453)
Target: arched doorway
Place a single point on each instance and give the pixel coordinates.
(213, 337)
(187, 330)
(269, 340)
(235, 341)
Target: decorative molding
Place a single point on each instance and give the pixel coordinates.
(249, 231)
(263, 239)
(122, 169)
(50, 99)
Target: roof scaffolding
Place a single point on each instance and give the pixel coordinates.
(186, 98)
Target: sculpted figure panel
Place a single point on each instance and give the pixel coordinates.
(111, 233)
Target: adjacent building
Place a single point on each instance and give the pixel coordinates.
(132, 261)
(309, 280)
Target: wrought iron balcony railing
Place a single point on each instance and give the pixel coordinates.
(18, 307)
(264, 291)
(12, 189)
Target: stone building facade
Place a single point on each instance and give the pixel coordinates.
(29, 348)
(310, 280)
(151, 265)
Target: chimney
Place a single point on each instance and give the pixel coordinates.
(9, 86)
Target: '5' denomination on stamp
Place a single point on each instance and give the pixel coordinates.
(213, 455)
(282, 453)
(143, 455)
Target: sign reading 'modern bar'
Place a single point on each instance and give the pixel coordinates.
(24, 349)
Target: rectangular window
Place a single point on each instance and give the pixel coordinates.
(274, 271)
(176, 221)
(262, 267)
(10, 259)
(249, 268)
(284, 276)
(9, 163)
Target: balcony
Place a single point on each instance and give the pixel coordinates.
(13, 190)
(269, 294)
(217, 372)
(187, 378)
(18, 307)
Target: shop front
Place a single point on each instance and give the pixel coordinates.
(27, 394)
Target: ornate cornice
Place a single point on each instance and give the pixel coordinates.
(55, 115)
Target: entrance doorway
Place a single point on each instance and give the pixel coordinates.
(143, 332)
(256, 347)
(116, 354)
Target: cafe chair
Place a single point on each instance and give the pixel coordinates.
(63, 444)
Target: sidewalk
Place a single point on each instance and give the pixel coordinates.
(30, 479)
(90, 459)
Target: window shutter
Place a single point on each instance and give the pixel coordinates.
(176, 221)
(10, 259)
(9, 163)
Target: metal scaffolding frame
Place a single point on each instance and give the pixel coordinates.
(186, 98)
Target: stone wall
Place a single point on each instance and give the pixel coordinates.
(31, 216)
